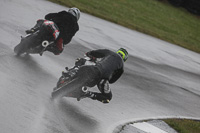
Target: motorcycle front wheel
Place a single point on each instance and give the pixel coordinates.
(25, 44)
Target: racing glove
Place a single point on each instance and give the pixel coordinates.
(92, 58)
(80, 61)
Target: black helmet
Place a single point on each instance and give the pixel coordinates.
(75, 12)
(123, 53)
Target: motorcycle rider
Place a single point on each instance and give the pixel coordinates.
(63, 26)
(106, 71)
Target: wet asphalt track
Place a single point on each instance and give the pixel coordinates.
(160, 79)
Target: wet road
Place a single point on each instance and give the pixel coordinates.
(160, 79)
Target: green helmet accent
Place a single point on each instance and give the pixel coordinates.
(123, 53)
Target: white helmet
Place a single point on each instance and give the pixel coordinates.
(75, 12)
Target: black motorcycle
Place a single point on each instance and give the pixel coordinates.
(36, 42)
(71, 83)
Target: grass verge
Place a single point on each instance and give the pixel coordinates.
(154, 17)
(184, 125)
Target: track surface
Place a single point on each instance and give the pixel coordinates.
(160, 79)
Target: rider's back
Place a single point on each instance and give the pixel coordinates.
(66, 23)
(111, 65)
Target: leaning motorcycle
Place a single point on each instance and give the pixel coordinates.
(70, 84)
(38, 41)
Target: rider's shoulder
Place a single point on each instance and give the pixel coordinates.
(63, 11)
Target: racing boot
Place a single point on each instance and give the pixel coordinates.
(86, 93)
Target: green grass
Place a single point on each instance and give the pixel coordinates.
(184, 125)
(154, 17)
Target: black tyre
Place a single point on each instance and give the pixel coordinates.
(25, 44)
(21, 48)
